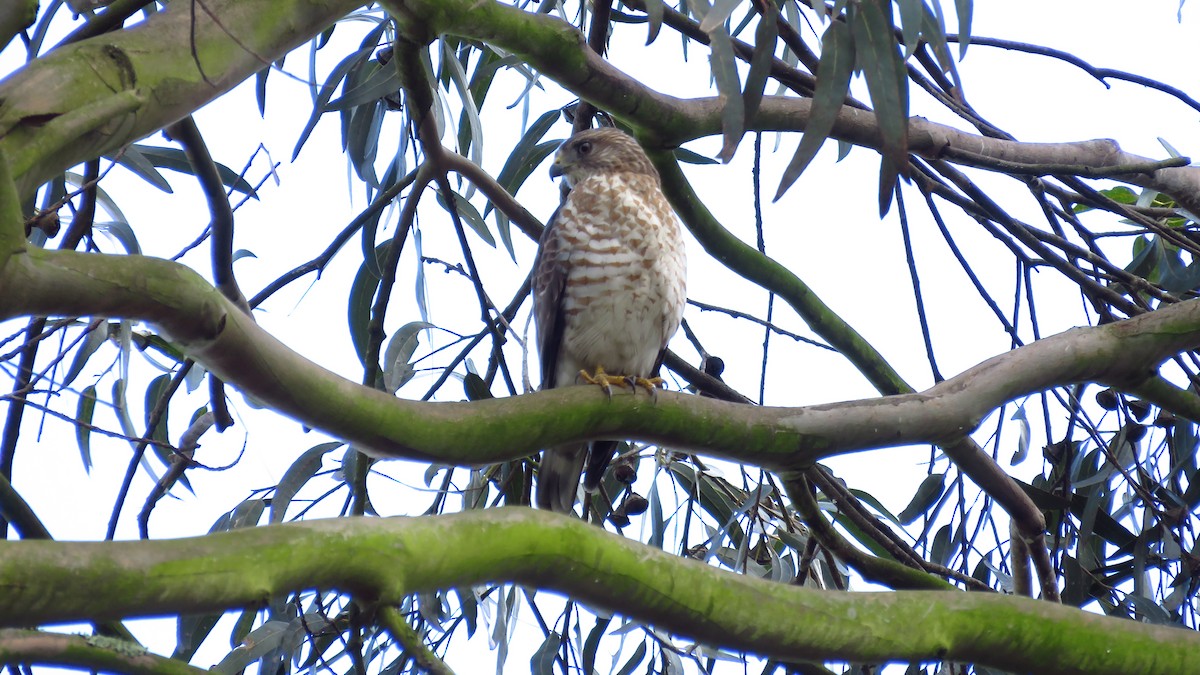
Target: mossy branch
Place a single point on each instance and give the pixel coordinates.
(214, 332)
(385, 560)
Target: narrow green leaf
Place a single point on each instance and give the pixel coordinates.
(521, 161)
(298, 474)
(964, 9)
(83, 431)
(362, 141)
(634, 661)
(362, 296)
(378, 82)
(332, 82)
(94, 339)
(475, 388)
(176, 160)
(121, 233)
(397, 359)
(690, 157)
(941, 551)
(468, 214)
(154, 394)
(141, 166)
(887, 82)
(486, 66)
(121, 407)
(934, 32)
(819, 7)
(926, 496)
(260, 90)
(474, 147)
(766, 34)
(517, 168)
(912, 18)
(242, 627)
(716, 16)
(542, 661)
(654, 15)
(258, 643)
(190, 631)
(246, 514)
(833, 81)
(592, 643)
(733, 111)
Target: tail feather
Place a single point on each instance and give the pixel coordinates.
(558, 477)
(599, 457)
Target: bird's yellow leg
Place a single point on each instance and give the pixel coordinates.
(603, 379)
(606, 381)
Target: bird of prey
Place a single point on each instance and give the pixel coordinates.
(608, 289)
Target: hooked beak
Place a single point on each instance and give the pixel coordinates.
(556, 169)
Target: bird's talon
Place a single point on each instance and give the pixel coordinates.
(651, 386)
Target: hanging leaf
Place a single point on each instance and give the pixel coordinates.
(927, 495)
(397, 360)
(83, 430)
(654, 15)
(467, 213)
(526, 155)
(592, 643)
(635, 660)
(912, 18)
(298, 474)
(475, 388)
(190, 631)
(1022, 437)
(95, 337)
(362, 296)
(260, 89)
(138, 156)
(766, 34)
(331, 85)
(964, 9)
(262, 640)
(887, 83)
(542, 661)
(716, 16)
(378, 82)
(473, 148)
(733, 107)
(833, 81)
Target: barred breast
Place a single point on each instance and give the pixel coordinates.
(625, 289)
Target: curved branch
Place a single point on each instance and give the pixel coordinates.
(213, 331)
(561, 52)
(93, 653)
(88, 98)
(91, 97)
(385, 560)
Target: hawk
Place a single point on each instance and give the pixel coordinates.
(608, 289)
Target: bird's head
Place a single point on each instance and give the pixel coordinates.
(605, 150)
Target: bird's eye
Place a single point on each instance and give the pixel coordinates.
(584, 148)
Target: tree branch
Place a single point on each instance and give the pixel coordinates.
(387, 559)
(94, 653)
(210, 329)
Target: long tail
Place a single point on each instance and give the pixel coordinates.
(563, 466)
(558, 477)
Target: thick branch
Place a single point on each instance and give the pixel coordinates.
(93, 653)
(88, 98)
(210, 329)
(387, 559)
(560, 52)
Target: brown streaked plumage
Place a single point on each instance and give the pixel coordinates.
(608, 287)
